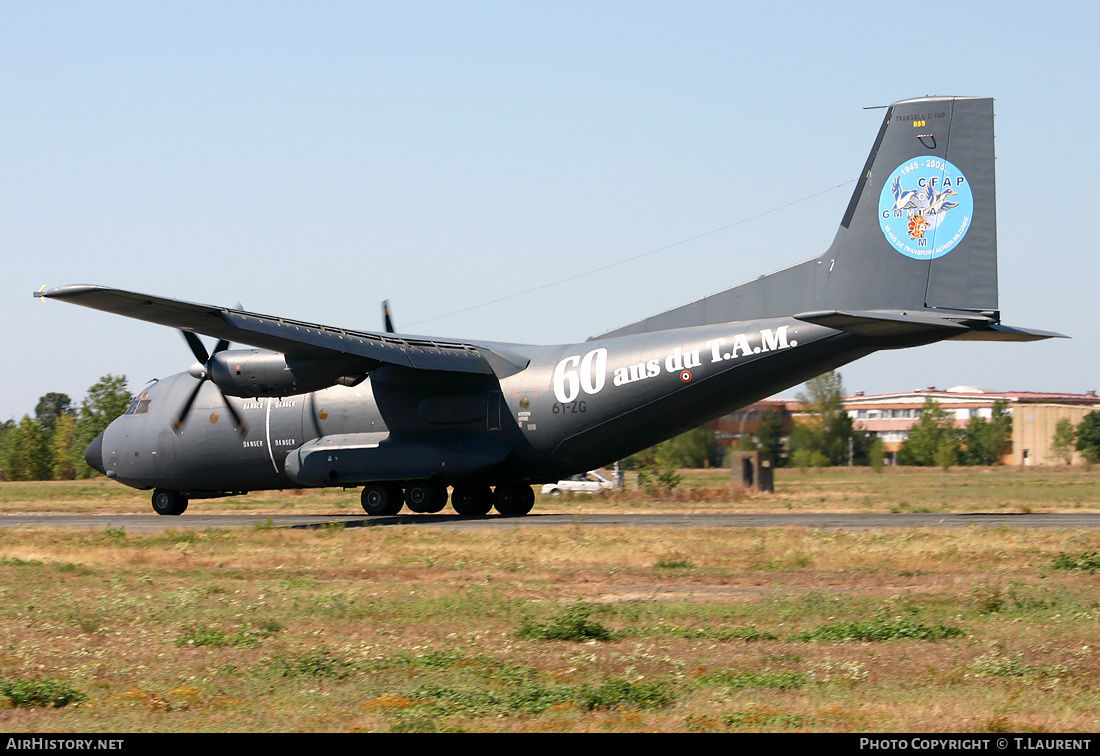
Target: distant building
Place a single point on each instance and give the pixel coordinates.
(892, 416)
(1034, 415)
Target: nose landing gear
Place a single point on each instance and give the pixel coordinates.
(169, 502)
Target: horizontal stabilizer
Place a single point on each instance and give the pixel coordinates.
(875, 323)
(886, 323)
(1008, 333)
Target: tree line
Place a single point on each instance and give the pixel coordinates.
(50, 445)
(824, 435)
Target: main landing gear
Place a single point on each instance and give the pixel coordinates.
(514, 499)
(426, 497)
(381, 498)
(472, 499)
(429, 497)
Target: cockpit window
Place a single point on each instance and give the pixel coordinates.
(140, 405)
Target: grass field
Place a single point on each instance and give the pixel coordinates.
(562, 629)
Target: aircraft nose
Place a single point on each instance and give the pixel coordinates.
(93, 455)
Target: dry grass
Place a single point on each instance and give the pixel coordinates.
(416, 629)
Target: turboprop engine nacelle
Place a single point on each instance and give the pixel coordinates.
(258, 372)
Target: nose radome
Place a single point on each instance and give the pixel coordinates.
(93, 455)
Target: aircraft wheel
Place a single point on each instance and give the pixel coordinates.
(381, 498)
(514, 499)
(472, 499)
(426, 497)
(169, 502)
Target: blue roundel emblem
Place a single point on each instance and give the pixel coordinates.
(925, 208)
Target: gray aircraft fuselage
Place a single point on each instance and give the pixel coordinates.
(575, 407)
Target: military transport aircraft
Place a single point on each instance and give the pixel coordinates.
(914, 261)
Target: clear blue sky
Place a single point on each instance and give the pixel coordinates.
(312, 159)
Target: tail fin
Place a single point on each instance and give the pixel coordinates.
(921, 228)
(920, 232)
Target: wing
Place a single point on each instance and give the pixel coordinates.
(293, 337)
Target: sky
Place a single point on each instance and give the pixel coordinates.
(527, 172)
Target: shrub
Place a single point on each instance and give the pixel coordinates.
(572, 625)
(319, 663)
(620, 692)
(1086, 560)
(765, 680)
(43, 693)
(878, 630)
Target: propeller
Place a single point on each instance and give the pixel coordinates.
(201, 370)
(387, 321)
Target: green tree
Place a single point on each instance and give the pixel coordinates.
(769, 437)
(1064, 440)
(26, 452)
(947, 452)
(62, 444)
(824, 433)
(644, 459)
(692, 449)
(927, 436)
(106, 399)
(876, 454)
(985, 442)
(5, 427)
(1088, 436)
(50, 407)
(805, 445)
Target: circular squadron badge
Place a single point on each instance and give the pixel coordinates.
(925, 208)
